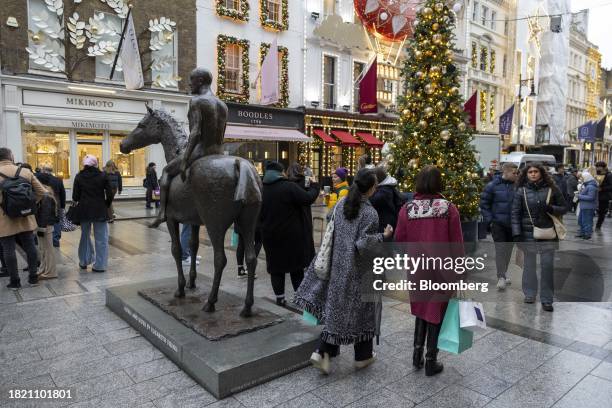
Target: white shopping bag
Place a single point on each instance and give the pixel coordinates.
(471, 315)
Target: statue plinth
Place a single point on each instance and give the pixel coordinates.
(221, 351)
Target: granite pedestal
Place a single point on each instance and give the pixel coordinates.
(223, 364)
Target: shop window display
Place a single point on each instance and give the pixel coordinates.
(48, 148)
(132, 166)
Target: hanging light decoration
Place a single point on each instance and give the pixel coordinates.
(389, 19)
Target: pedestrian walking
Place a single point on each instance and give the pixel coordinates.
(151, 183)
(560, 179)
(17, 220)
(47, 215)
(587, 204)
(536, 198)
(340, 187)
(186, 245)
(429, 217)
(496, 209)
(46, 177)
(94, 195)
(116, 183)
(337, 302)
(286, 233)
(572, 187)
(386, 200)
(605, 193)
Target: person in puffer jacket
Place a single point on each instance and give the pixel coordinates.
(531, 208)
(496, 207)
(587, 203)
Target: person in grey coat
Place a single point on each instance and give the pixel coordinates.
(337, 302)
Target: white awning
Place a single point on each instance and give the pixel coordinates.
(264, 133)
(79, 122)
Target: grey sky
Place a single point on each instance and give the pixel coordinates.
(600, 16)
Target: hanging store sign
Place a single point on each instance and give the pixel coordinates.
(264, 116)
(87, 102)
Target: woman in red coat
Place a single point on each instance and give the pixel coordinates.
(429, 217)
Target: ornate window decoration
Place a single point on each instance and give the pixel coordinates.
(492, 62)
(492, 108)
(223, 41)
(284, 72)
(274, 14)
(483, 58)
(163, 46)
(483, 106)
(234, 9)
(474, 55)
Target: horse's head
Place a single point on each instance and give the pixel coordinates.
(148, 132)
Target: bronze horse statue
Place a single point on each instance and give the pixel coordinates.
(219, 190)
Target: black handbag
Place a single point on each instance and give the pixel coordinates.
(72, 214)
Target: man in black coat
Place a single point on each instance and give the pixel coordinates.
(287, 235)
(496, 208)
(561, 180)
(387, 201)
(605, 193)
(46, 177)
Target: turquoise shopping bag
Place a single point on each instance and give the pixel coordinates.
(234, 239)
(310, 319)
(452, 337)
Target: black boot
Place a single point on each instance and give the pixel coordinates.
(420, 331)
(432, 367)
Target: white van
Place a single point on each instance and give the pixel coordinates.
(522, 158)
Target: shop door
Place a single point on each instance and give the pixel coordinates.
(85, 148)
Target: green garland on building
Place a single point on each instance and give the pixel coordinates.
(274, 25)
(222, 42)
(284, 74)
(241, 15)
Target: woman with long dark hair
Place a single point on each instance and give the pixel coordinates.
(536, 198)
(337, 302)
(429, 218)
(151, 183)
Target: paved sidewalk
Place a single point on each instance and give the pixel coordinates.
(60, 334)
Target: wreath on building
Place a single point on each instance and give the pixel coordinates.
(222, 42)
(241, 15)
(284, 72)
(271, 24)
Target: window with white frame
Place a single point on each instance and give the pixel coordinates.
(475, 11)
(45, 28)
(164, 66)
(231, 4)
(111, 26)
(274, 11)
(329, 82)
(484, 15)
(358, 68)
(493, 17)
(233, 80)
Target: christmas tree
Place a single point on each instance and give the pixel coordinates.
(433, 127)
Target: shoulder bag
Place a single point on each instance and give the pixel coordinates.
(545, 234)
(322, 266)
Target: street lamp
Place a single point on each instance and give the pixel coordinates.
(521, 99)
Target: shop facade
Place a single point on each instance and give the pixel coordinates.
(341, 138)
(55, 123)
(260, 133)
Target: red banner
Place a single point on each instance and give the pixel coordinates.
(368, 101)
(470, 107)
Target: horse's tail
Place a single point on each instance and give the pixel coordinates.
(248, 184)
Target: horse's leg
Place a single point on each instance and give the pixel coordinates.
(193, 248)
(177, 253)
(247, 223)
(217, 238)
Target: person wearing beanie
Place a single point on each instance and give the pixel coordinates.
(93, 195)
(341, 187)
(587, 203)
(285, 230)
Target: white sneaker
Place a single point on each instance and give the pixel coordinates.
(364, 363)
(508, 283)
(321, 362)
(198, 257)
(501, 284)
(188, 261)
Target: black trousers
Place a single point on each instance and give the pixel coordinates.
(363, 349)
(502, 236)
(278, 281)
(602, 211)
(26, 240)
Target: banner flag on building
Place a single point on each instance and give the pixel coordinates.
(130, 56)
(505, 121)
(586, 132)
(471, 106)
(270, 93)
(600, 129)
(368, 95)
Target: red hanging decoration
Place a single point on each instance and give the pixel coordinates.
(390, 19)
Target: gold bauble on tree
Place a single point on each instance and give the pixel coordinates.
(419, 74)
(436, 38)
(440, 105)
(435, 69)
(439, 7)
(449, 53)
(427, 12)
(428, 111)
(429, 89)
(462, 126)
(454, 90)
(445, 135)
(435, 26)
(418, 54)
(423, 124)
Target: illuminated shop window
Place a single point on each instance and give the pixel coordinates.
(132, 166)
(50, 148)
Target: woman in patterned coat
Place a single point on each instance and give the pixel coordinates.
(429, 218)
(337, 302)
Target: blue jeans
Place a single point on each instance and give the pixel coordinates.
(585, 220)
(87, 253)
(57, 233)
(530, 276)
(185, 241)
